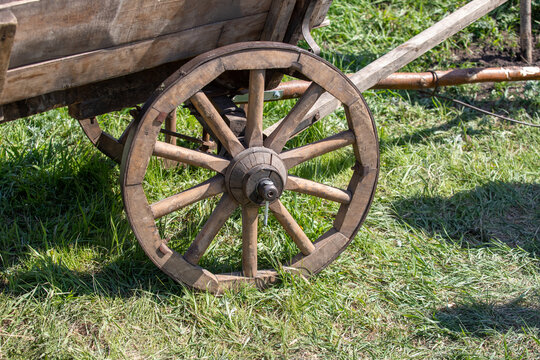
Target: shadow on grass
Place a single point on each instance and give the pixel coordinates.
(482, 319)
(507, 212)
(60, 210)
(510, 105)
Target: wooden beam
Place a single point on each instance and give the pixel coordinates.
(67, 72)
(51, 29)
(402, 55)
(8, 26)
(278, 20)
(525, 30)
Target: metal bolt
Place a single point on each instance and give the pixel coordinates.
(267, 190)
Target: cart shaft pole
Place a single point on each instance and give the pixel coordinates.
(402, 55)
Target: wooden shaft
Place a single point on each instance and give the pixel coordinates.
(191, 157)
(254, 130)
(211, 187)
(421, 43)
(204, 238)
(401, 56)
(525, 30)
(309, 187)
(293, 157)
(249, 240)
(292, 228)
(216, 123)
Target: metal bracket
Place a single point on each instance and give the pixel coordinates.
(306, 29)
(268, 96)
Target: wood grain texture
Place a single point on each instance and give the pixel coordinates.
(313, 188)
(254, 124)
(103, 141)
(51, 29)
(277, 21)
(191, 157)
(84, 68)
(525, 30)
(173, 264)
(296, 156)
(249, 240)
(8, 27)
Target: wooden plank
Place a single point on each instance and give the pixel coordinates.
(278, 20)
(42, 78)
(525, 30)
(8, 26)
(402, 55)
(50, 29)
(319, 13)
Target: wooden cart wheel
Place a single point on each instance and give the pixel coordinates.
(104, 142)
(256, 170)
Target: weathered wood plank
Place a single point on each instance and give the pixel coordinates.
(42, 78)
(8, 26)
(50, 29)
(278, 20)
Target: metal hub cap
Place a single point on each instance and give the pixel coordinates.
(255, 176)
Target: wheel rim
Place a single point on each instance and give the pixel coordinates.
(257, 171)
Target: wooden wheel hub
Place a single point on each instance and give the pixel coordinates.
(255, 176)
(260, 170)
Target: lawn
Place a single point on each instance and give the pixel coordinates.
(446, 265)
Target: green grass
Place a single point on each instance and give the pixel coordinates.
(446, 265)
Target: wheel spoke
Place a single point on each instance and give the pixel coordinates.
(279, 137)
(249, 240)
(292, 228)
(209, 188)
(309, 187)
(307, 152)
(204, 238)
(254, 136)
(191, 157)
(216, 123)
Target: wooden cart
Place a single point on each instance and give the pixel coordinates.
(100, 56)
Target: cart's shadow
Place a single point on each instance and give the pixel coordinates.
(50, 219)
(481, 319)
(508, 105)
(496, 211)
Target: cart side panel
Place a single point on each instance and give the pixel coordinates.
(51, 29)
(89, 67)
